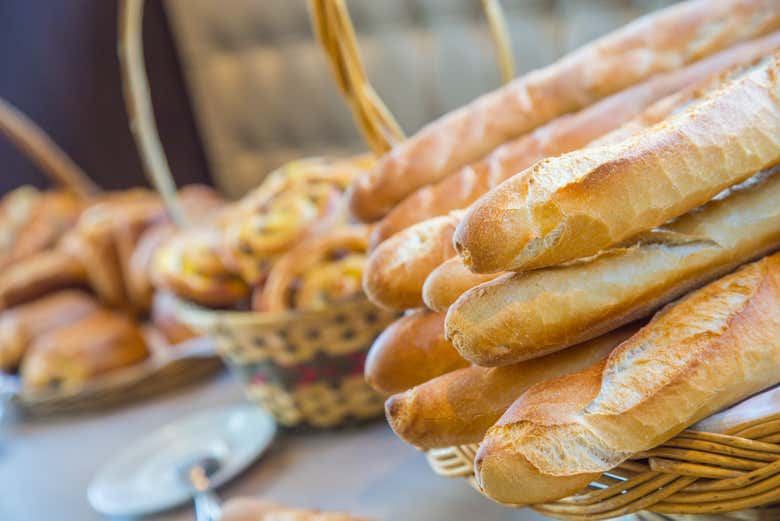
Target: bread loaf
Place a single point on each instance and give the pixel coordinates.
(577, 204)
(20, 326)
(458, 407)
(448, 282)
(42, 273)
(564, 134)
(412, 350)
(397, 269)
(523, 315)
(711, 349)
(656, 43)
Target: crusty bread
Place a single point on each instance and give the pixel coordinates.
(656, 43)
(246, 509)
(520, 316)
(714, 347)
(577, 204)
(458, 408)
(564, 134)
(38, 275)
(20, 326)
(397, 269)
(448, 282)
(412, 350)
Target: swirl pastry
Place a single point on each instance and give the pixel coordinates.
(297, 201)
(322, 270)
(69, 356)
(190, 266)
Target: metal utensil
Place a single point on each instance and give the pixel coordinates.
(197, 474)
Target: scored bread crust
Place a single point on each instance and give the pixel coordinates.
(563, 134)
(661, 41)
(396, 270)
(458, 407)
(449, 281)
(577, 204)
(410, 351)
(523, 315)
(710, 349)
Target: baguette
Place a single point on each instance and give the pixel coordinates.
(577, 204)
(448, 282)
(713, 348)
(412, 350)
(397, 269)
(20, 326)
(564, 134)
(458, 408)
(660, 42)
(523, 315)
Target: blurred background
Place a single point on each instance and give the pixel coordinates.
(240, 86)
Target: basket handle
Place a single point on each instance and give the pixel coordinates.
(135, 87)
(332, 25)
(34, 143)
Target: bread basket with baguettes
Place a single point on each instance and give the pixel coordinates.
(166, 367)
(614, 426)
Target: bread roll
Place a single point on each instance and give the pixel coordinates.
(245, 509)
(23, 324)
(520, 316)
(69, 356)
(412, 350)
(563, 134)
(711, 349)
(656, 43)
(397, 269)
(458, 407)
(577, 204)
(42, 273)
(448, 282)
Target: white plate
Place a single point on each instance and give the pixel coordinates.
(144, 478)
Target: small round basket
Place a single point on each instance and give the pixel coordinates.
(305, 367)
(696, 476)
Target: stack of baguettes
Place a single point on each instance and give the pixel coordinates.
(532, 233)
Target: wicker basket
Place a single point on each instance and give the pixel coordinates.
(695, 473)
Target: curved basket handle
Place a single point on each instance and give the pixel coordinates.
(336, 34)
(135, 87)
(33, 142)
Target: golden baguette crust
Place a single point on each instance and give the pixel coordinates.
(577, 204)
(564, 134)
(412, 350)
(448, 282)
(458, 408)
(396, 270)
(710, 349)
(523, 315)
(655, 43)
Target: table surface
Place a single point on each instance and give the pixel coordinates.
(45, 466)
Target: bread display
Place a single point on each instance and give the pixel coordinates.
(322, 270)
(397, 268)
(22, 325)
(458, 407)
(707, 351)
(665, 40)
(67, 357)
(563, 134)
(575, 205)
(523, 315)
(412, 350)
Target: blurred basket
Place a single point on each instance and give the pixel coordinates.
(305, 367)
(732, 476)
